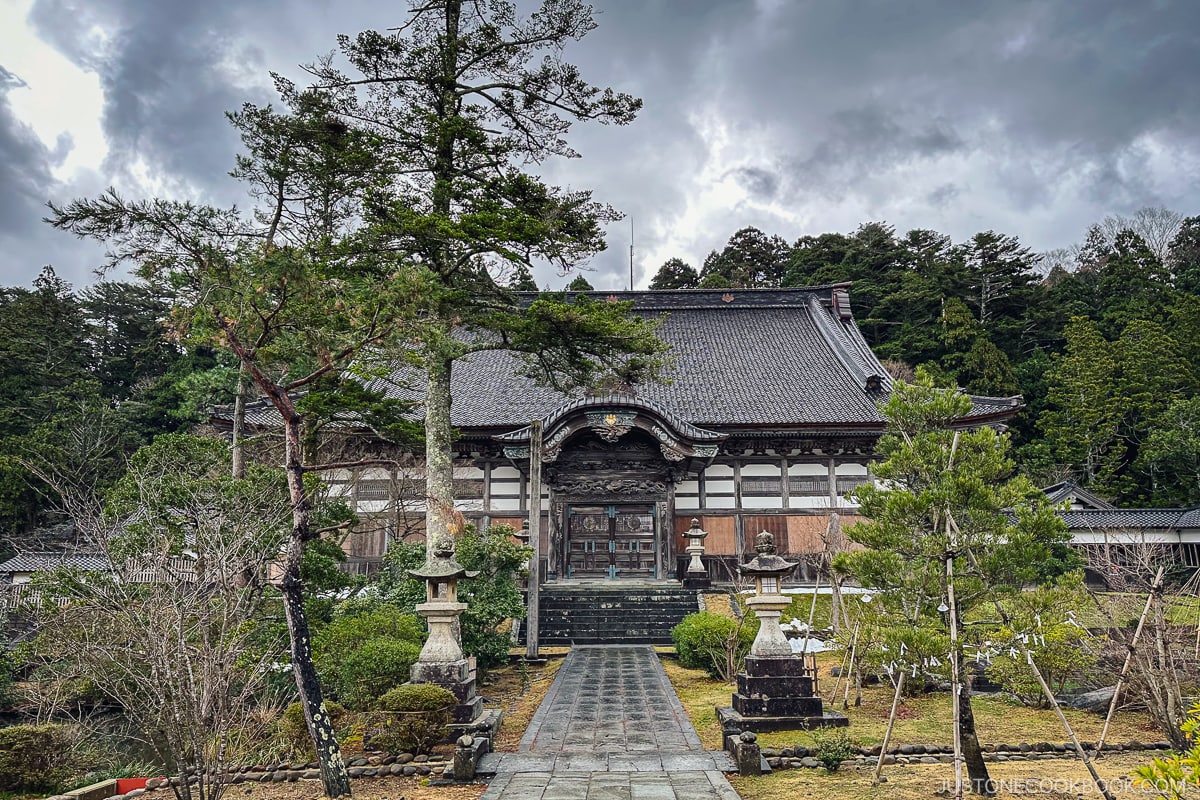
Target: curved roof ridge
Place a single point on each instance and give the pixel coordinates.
(684, 427)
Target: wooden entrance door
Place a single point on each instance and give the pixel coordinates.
(611, 541)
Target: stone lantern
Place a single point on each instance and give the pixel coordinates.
(768, 602)
(777, 690)
(442, 661)
(696, 576)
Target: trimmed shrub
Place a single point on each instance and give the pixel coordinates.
(348, 632)
(716, 644)
(374, 668)
(34, 758)
(292, 730)
(832, 746)
(413, 718)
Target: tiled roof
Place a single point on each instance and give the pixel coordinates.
(742, 358)
(1068, 489)
(1129, 518)
(40, 562)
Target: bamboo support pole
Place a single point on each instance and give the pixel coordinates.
(837, 684)
(887, 734)
(850, 669)
(1101, 784)
(812, 613)
(1133, 643)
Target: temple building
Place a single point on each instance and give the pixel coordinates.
(767, 419)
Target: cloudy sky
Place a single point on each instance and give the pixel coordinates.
(1029, 117)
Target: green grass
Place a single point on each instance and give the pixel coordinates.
(923, 719)
(1057, 779)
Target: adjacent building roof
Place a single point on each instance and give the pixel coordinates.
(743, 358)
(1119, 519)
(41, 562)
(1078, 497)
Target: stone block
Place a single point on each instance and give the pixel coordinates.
(774, 686)
(776, 666)
(443, 673)
(777, 706)
(468, 711)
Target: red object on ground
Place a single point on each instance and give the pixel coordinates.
(125, 785)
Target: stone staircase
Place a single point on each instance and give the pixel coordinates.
(612, 613)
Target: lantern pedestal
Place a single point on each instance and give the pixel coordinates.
(770, 639)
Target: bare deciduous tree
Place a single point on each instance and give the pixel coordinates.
(168, 632)
(1164, 670)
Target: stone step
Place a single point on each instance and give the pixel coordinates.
(602, 614)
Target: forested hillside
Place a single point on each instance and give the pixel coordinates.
(1102, 339)
(88, 377)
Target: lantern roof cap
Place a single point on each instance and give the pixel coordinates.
(766, 562)
(442, 564)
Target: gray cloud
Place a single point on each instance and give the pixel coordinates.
(761, 183)
(1029, 117)
(26, 164)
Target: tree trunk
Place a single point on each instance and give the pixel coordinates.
(440, 517)
(239, 423)
(1167, 676)
(977, 771)
(334, 775)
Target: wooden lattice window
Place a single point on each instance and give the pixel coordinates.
(762, 487)
(808, 485)
(374, 490)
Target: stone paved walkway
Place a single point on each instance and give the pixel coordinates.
(610, 728)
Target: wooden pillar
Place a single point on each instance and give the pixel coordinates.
(535, 538)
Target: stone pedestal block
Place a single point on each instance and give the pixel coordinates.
(458, 677)
(769, 686)
(777, 706)
(787, 666)
(776, 693)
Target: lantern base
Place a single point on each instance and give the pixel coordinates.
(777, 693)
(456, 676)
(734, 722)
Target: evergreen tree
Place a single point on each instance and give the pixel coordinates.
(1183, 256)
(1133, 283)
(580, 284)
(1170, 457)
(522, 279)
(998, 271)
(1152, 375)
(464, 96)
(291, 292)
(1083, 415)
(986, 370)
(675, 273)
(750, 259)
(948, 530)
(44, 349)
(127, 336)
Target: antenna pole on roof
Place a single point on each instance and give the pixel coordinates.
(631, 254)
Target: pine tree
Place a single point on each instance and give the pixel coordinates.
(675, 273)
(947, 530)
